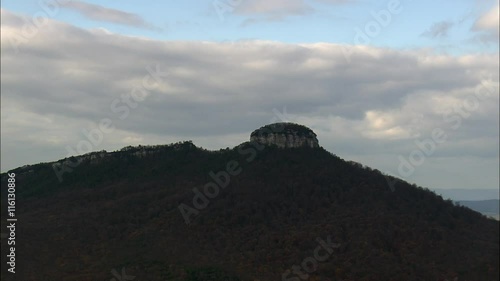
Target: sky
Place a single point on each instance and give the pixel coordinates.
(410, 88)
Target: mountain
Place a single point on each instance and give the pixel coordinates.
(484, 201)
(468, 194)
(486, 207)
(254, 212)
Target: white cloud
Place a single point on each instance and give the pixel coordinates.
(488, 26)
(489, 20)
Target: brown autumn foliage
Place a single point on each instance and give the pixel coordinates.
(123, 212)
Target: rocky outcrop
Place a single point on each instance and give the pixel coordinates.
(285, 135)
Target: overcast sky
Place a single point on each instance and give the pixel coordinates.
(406, 87)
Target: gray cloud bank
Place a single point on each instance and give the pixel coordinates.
(371, 109)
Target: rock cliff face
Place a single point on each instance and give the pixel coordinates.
(285, 135)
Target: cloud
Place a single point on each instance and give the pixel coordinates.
(336, 2)
(488, 20)
(65, 80)
(487, 25)
(278, 9)
(274, 7)
(438, 29)
(100, 13)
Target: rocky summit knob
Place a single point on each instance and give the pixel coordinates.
(285, 135)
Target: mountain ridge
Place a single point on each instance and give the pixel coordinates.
(123, 211)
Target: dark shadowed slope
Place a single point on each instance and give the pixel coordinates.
(274, 206)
